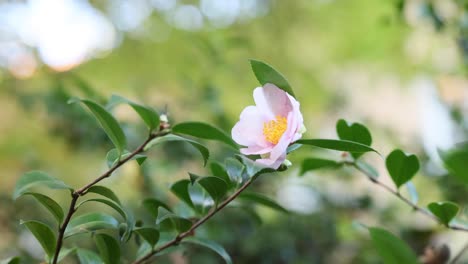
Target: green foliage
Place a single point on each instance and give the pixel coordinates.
(235, 170)
(456, 160)
(149, 234)
(401, 167)
(317, 163)
(147, 114)
(108, 247)
(104, 191)
(43, 234)
(340, 145)
(113, 156)
(353, 132)
(218, 170)
(12, 260)
(445, 211)
(90, 222)
(258, 198)
(204, 131)
(111, 204)
(168, 220)
(52, 206)
(267, 74)
(210, 245)
(33, 179)
(216, 187)
(88, 257)
(181, 190)
(152, 206)
(391, 249)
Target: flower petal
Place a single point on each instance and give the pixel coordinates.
(248, 131)
(271, 163)
(272, 101)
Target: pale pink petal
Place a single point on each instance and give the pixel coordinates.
(271, 163)
(272, 101)
(256, 150)
(285, 139)
(248, 130)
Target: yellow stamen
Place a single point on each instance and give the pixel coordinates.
(274, 129)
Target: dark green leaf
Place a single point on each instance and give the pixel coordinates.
(113, 157)
(108, 123)
(445, 211)
(12, 260)
(51, 205)
(267, 74)
(104, 191)
(340, 145)
(218, 170)
(316, 163)
(401, 167)
(202, 149)
(109, 203)
(392, 249)
(147, 114)
(180, 189)
(262, 200)
(210, 245)
(37, 178)
(108, 247)
(193, 178)
(167, 219)
(88, 257)
(152, 205)
(43, 234)
(205, 131)
(151, 235)
(215, 187)
(353, 132)
(456, 160)
(90, 222)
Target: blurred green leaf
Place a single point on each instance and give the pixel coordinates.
(210, 245)
(205, 131)
(104, 191)
(267, 74)
(262, 200)
(218, 170)
(108, 123)
(353, 132)
(456, 160)
(252, 168)
(150, 234)
(293, 147)
(401, 167)
(43, 234)
(12, 260)
(52, 206)
(64, 252)
(109, 203)
(445, 211)
(108, 247)
(88, 257)
(180, 189)
(90, 222)
(392, 249)
(215, 187)
(152, 205)
(340, 145)
(317, 163)
(234, 169)
(177, 222)
(34, 179)
(202, 149)
(147, 114)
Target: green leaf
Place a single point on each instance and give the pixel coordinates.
(149, 234)
(367, 168)
(218, 170)
(152, 205)
(210, 245)
(205, 131)
(147, 114)
(109, 203)
(113, 157)
(340, 145)
(401, 167)
(252, 168)
(104, 191)
(180, 189)
(445, 211)
(34, 179)
(455, 161)
(12, 260)
(234, 169)
(262, 200)
(108, 123)
(51, 205)
(293, 147)
(215, 187)
(202, 149)
(90, 222)
(316, 163)
(88, 257)
(267, 74)
(167, 219)
(353, 132)
(108, 247)
(392, 249)
(43, 234)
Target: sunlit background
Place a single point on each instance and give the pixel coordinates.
(397, 66)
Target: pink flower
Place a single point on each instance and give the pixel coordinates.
(269, 127)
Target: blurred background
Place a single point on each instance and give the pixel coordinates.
(397, 66)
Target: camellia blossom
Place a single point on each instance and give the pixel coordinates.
(269, 127)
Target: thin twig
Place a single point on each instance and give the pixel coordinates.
(460, 254)
(200, 222)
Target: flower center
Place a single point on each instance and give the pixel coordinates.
(274, 129)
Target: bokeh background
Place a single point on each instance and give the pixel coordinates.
(397, 66)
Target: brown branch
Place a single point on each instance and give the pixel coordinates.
(200, 222)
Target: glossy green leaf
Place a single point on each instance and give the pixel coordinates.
(152, 205)
(180, 189)
(267, 74)
(445, 211)
(340, 145)
(218, 170)
(205, 131)
(317, 163)
(33, 179)
(150, 234)
(147, 114)
(43, 234)
(216, 187)
(210, 245)
(108, 247)
(262, 200)
(52, 206)
(104, 191)
(109, 203)
(88, 257)
(202, 149)
(12, 260)
(167, 219)
(353, 132)
(401, 167)
(64, 252)
(456, 160)
(90, 222)
(392, 249)
(108, 123)
(234, 169)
